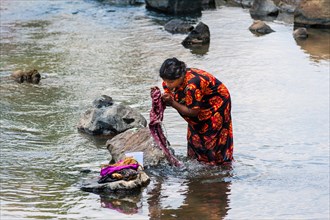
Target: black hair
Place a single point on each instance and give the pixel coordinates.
(172, 69)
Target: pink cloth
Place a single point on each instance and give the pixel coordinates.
(112, 169)
(156, 117)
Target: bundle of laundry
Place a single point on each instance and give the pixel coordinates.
(126, 169)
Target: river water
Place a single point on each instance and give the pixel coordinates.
(84, 49)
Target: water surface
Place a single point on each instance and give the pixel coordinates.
(84, 49)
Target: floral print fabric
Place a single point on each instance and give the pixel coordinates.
(209, 136)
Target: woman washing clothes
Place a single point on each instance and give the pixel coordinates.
(204, 102)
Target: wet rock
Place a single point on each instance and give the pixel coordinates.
(176, 26)
(260, 28)
(261, 9)
(31, 76)
(175, 7)
(110, 119)
(103, 101)
(198, 36)
(136, 140)
(312, 13)
(120, 187)
(237, 3)
(208, 4)
(300, 33)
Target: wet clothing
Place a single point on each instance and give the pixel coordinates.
(210, 136)
(156, 118)
(126, 169)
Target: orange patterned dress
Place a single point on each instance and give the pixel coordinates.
(210, 134)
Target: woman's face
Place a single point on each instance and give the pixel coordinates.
(174, 84)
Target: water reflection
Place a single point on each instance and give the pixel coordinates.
(127, 205)
(199, 49)
(202, 193)
(317, 45)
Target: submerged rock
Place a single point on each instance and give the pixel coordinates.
(300, 33)
(31, 76)
(260, 28)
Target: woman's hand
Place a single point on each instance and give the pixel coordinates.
(168, 99)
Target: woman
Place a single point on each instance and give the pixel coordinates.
(204, 102)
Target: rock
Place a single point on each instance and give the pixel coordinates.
(300, 33)
(32, 76)
(175, 26)
(199, 35)
(110, 120)
(136, 140)
(260, 28)
(241, 3)
(208, 4)
(175, 7)
(103, 101)
(312, 13)
(263, 8)
(120, 187)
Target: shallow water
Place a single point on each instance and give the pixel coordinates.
(83, 49)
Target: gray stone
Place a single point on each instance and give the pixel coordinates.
(110, 120)
(200, 35)
(263, 8)
(175, 7)
(175, 26)
(103, 101)
(136, 140)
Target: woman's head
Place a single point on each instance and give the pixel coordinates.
(172, 69)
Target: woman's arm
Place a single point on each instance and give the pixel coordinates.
(182, 109)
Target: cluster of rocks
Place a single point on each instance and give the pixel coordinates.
(128, 132)
(126, 128)
(303, 13)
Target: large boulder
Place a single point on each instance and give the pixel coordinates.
(136, 140)
(286, 12)
(108, 118)
(175, 7)
(313, 13)
(262, 9)
(237, 3)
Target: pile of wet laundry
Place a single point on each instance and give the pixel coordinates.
(126, 169)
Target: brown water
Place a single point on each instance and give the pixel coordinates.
(280, 95)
